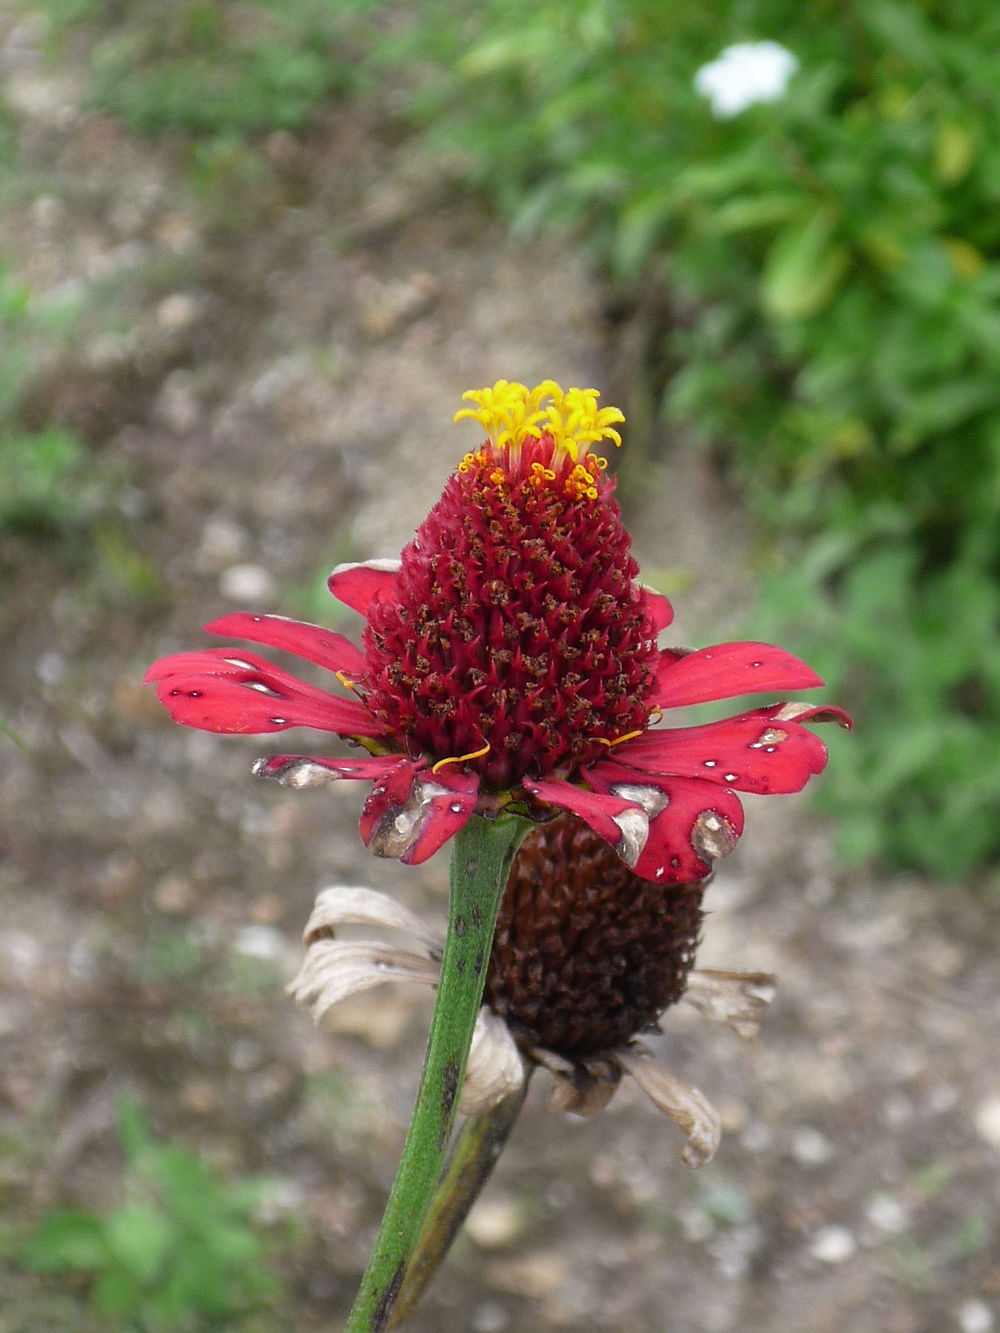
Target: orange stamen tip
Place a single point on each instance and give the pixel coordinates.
(461, 758)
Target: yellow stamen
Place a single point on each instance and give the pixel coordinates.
(348, 684)
(461, 758)
(619, 740)
(629, 736)
(510, 413)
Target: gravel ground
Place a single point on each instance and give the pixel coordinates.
(273, 390)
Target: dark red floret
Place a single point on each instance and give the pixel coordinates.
(516, 622)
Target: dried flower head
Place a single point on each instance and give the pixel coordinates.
(509, 661)
(587, 955)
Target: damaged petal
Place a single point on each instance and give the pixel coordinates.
(634, 828)
(397, 826)
(736, 998)
(712, 836)
(409, 815)
(349, 904)
(652, 800)
(797, 712)
(299, 774)
(301, 771)
(683, 1104)
(495, 1069)
(334, 969)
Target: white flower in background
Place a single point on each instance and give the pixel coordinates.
(744, 74)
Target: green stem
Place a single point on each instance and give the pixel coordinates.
(477, 1148)
(481, 858)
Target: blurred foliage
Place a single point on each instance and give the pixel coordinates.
(830, 268)
(212, 67)
(54, 489)
(179, 1250)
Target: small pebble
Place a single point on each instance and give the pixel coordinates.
(51, 667)
(174, 894)
(810, 1147)
(887, 1213)
(247, 583)
(987, 1121)
(176, 311)
(489, 1318)
(974, 1317)
(263, 942)
(494, 1222)
(833, 1245)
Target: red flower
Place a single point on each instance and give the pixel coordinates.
(509, 660)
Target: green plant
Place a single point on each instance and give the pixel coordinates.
(180, 1247)
(224, 68)
(829, 264)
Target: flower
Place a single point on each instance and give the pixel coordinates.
(587, 954)
(745, 74)
(509, 661)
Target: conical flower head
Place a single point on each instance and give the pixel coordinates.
(518, 637)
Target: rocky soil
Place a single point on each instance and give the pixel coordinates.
(268, 373)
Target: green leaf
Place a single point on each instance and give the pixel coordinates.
(66, 1238)
(640, 226)
(139, 1237)
(751, 211)
(803, 268)
(117, 1292)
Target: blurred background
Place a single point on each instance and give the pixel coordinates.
(251, 254)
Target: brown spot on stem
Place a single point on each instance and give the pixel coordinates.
(382, 1311)
(449, 1091)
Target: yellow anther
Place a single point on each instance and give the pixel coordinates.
(655, 715)
(461, 758)
(347, 684)
(580, 483)
(498, 476)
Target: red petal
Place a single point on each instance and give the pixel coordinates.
(728, 669)
(411, 812)
(312, 642)
(657, 607)
(216, 690)
(357, 586)
(700, 823)
(755, 752)
(599, 811)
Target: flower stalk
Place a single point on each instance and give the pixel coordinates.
(477, 1148)
(481, 859)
